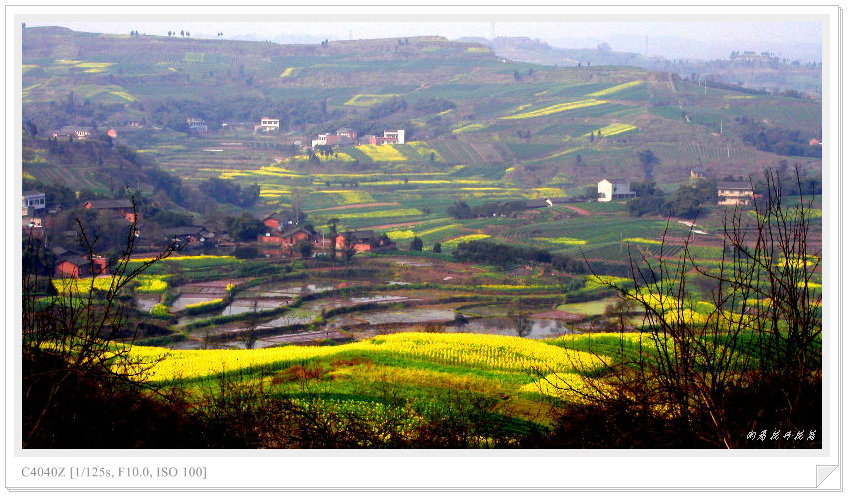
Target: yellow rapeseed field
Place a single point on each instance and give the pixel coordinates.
(498, 352)
(554, 109)
(382, 153)
(467, 238)
(563, 240)
(126, 96)
(613, 129)
(642, 240)
(616, 88)
(367, 100)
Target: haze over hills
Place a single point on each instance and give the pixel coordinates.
(763, 70)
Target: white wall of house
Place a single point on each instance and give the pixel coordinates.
(399, 134)
(607, 190)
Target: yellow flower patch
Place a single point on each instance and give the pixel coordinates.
(554, 109)
(126, 96)
(564, 152)
(642, 240)
(616, 88)
(400, 234)
(382, 153)
(469, 127)
(563, 240)
(568, 386)
(82, 286)
(379, 214)
(287, 72)
(613, 129)
(344, 197)
(467, 238)
(367, 100)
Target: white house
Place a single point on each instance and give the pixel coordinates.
(613, 189)
(396, 136)
(735, 193)
(32, 201)
(267, 124)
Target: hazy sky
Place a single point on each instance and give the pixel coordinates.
(778, 37)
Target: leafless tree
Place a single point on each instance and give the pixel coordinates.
(749, 358)
(76, 332)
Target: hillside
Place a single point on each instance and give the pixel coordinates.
(478, 126)
(757, 71)
(494, 98)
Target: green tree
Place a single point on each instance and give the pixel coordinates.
(304, 248)
(416, 245)
(648, 159)
(437, 247)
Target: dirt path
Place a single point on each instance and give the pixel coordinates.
(582, 212)
(356, 206)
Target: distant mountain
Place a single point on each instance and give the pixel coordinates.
(539, 52)
(684, 57)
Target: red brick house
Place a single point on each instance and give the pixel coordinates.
(274, 221)
(289, 238)
(77, 266)
(363, 241)
(122, 207)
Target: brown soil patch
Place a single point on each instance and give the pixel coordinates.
(582, 212)
(297, 373)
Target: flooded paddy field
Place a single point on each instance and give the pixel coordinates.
(390, 295)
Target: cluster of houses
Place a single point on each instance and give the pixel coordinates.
(284, 237)
(729, 192)
(35, 220)
(347, 136)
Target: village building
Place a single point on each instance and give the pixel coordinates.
(79, 266)
(267, 124)
(122, 207)
(396, 135)
(73, 133)
(32, 201)
(326, 139)
(342, 136)
(697, 174)
(289, 238)
(190, 234)
(347, 133)
(735, 193)
(389, 137)
(197, 126)
(613, 189)
(363, 241)
(276, 222)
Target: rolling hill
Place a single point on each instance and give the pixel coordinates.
(511, 123)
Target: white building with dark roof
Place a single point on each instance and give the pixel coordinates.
(613, 189)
